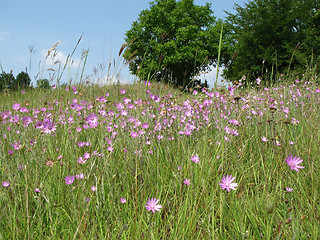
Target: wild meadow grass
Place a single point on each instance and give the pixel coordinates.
(146, 161)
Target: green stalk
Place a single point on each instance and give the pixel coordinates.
(85, 57)
(221, 214)
(68, 59)
(219, 51)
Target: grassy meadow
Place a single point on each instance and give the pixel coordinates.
(86, 162)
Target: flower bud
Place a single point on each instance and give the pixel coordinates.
(270, 208)
(289, 209)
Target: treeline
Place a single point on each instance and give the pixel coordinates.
(21, 82)
(273, 36)
(174, 41)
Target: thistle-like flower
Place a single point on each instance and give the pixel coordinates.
(294, 162)
(152, 205)
(227, 183)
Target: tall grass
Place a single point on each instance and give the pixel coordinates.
(139, 142)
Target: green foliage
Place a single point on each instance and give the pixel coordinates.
(273, 36)
(172, 41)
(22, 81)
(6, 80)
(43, 84)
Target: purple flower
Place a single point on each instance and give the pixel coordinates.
(289, 189)
(294, 162)
(152, 205)
(92, 120)
(21, 167)
(258, 81)
(277, 143)
(69, 179)
(37, 190)
(264, 139)
(6, 184)
(187, 181)
(80, 176)
(93, 188)
(81, 160)
(145, 125)
(110, 148)
(123, 200)
(16, 106)
(16, 145)
(295, 121)
(134, 134)
(195, 158)
(227, 183)
(26, 121)
(48, 126)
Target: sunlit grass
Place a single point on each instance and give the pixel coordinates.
(139, 142)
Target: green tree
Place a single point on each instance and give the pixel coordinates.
(172, 41)
(22, 81)
(6, 80)
(43, 83)
(272, 36)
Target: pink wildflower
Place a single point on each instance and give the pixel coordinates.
(294, 162)
(151, 205)
(186, 181)
(227, 183)
(195, 158)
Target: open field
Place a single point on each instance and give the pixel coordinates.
(83, 162)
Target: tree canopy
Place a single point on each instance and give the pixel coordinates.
(22, 81)
(273, 36)
(8, 81)
(173, 41)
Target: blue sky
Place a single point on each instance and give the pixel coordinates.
(41, 23)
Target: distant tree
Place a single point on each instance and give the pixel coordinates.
(6, 80)
(172, 41)
(273, 36)
(43, 83)
(22, 81)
